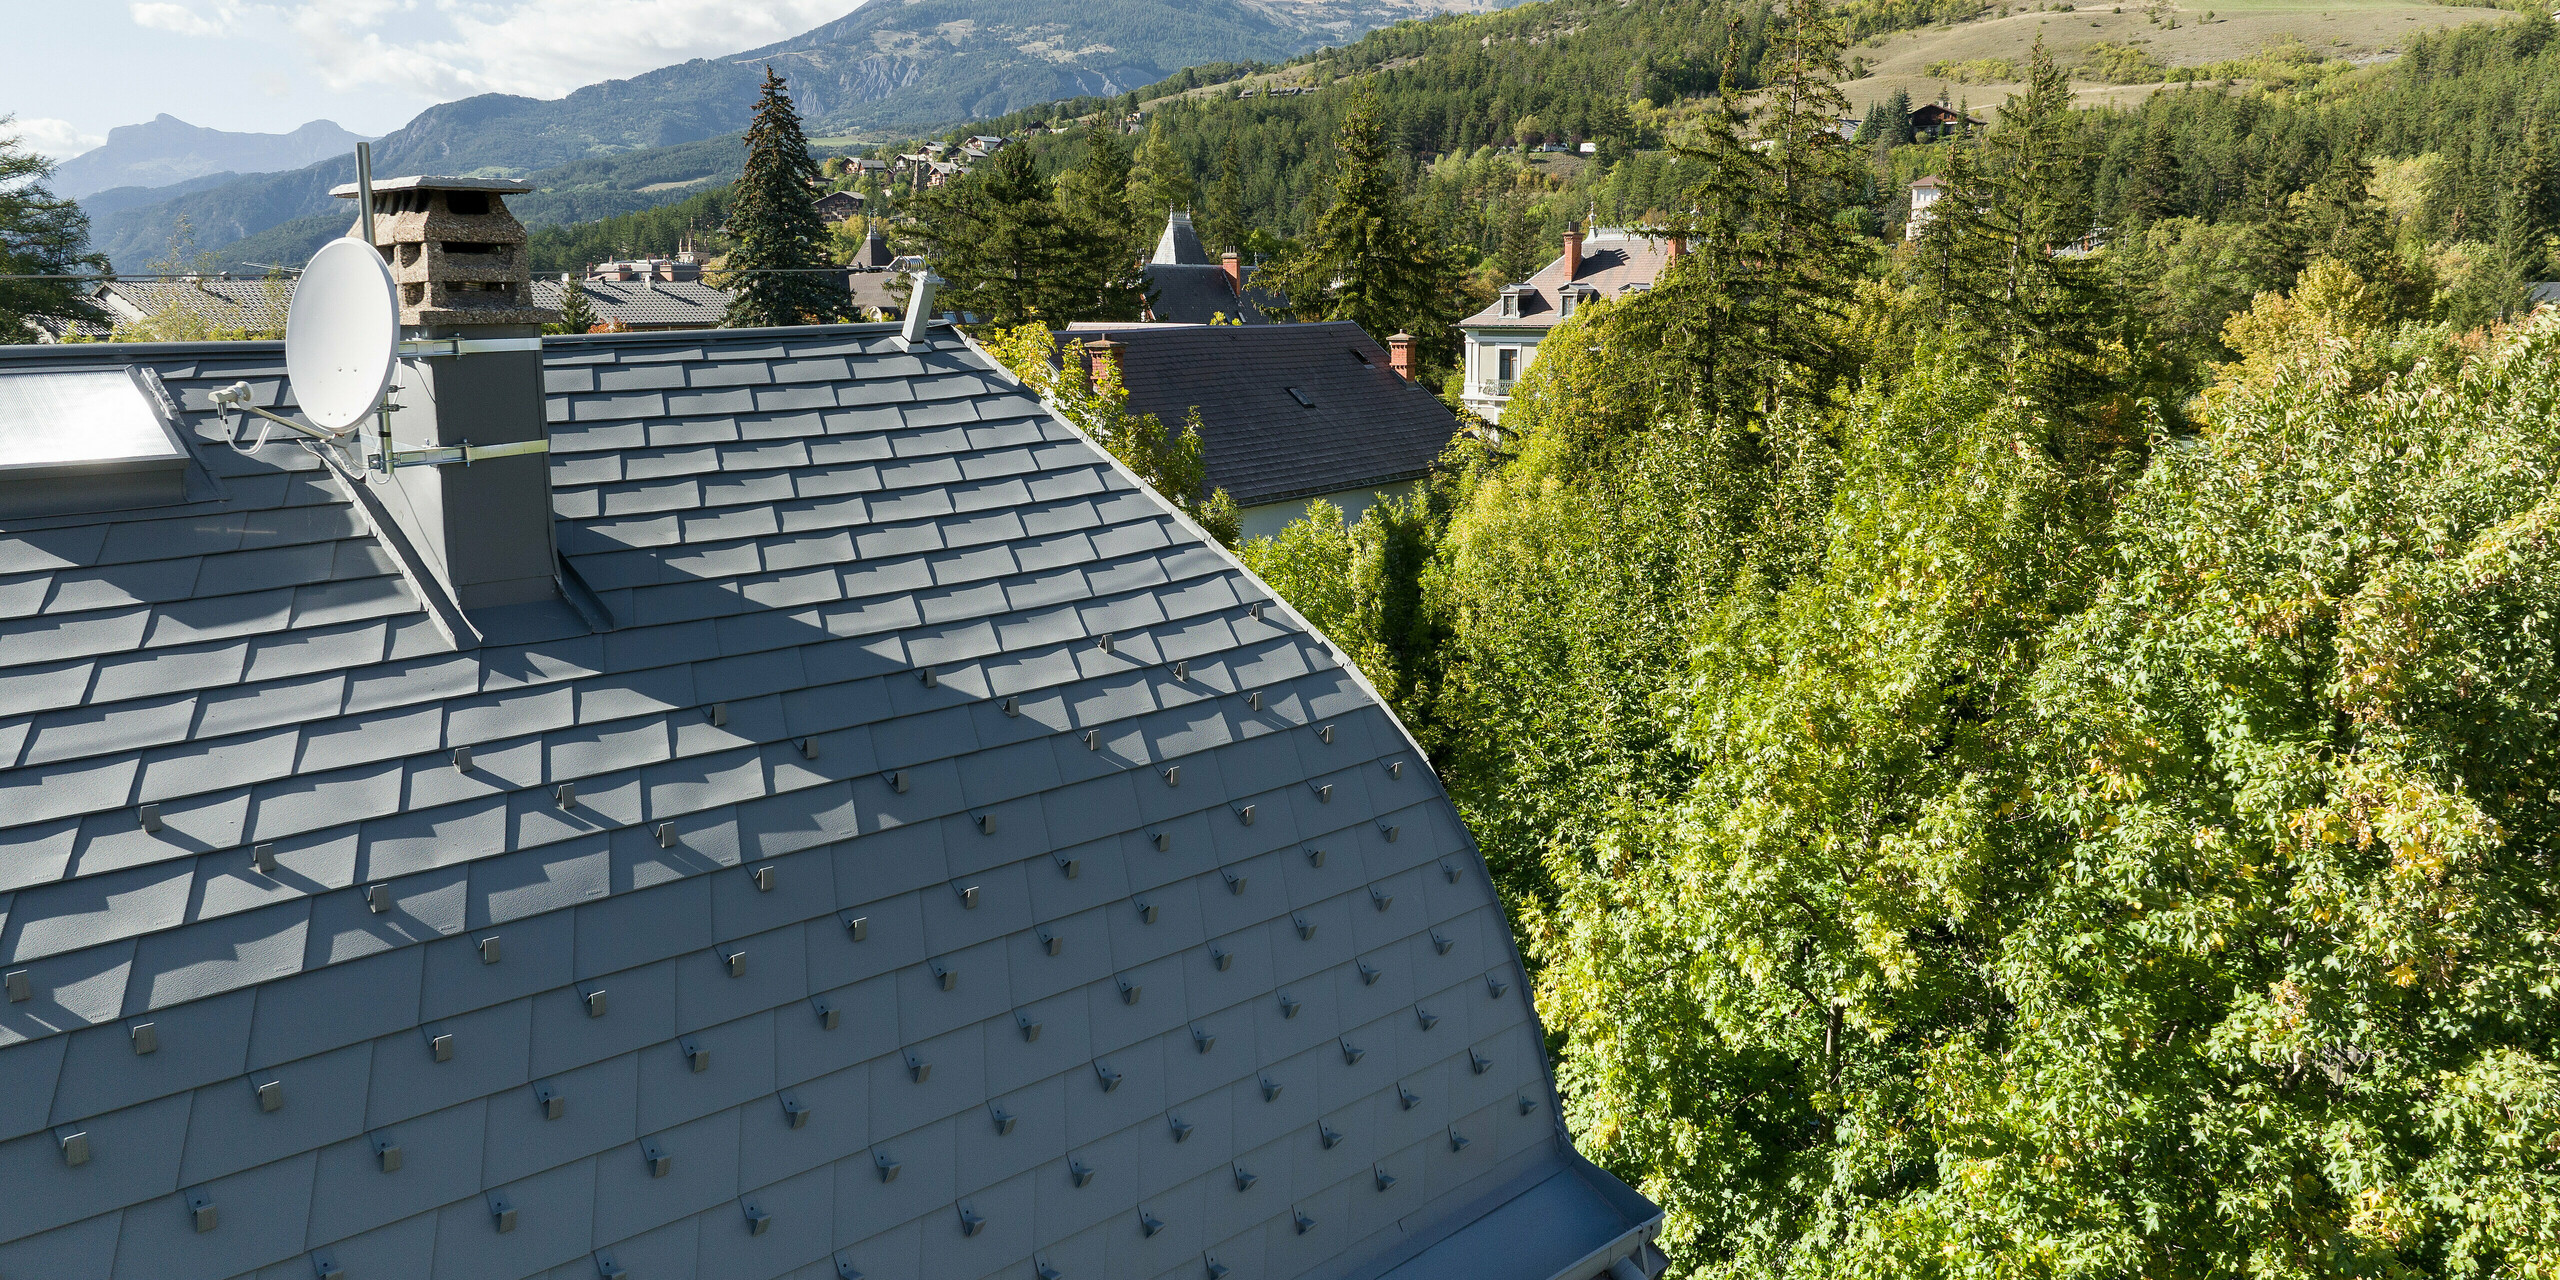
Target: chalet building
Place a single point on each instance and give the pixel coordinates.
(839, 206)
(1935, 121)
(1289, 413)
(820, 816)
(1185, 287)
(1502, 339)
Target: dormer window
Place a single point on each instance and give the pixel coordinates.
(1511, 302)
(1564, 303)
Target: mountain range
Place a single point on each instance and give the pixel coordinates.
(889, 67)
(168, 150)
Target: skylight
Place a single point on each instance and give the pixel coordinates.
(1301, 397)
(81, 420)
(85, 440)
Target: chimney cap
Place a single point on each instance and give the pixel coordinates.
(420, 182)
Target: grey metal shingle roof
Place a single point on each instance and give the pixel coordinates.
(1366, 426)
(657, 304)
(732, 948)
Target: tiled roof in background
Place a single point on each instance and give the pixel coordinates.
(660, 304)
(719, 943)
(252, 305)
(1365, 426)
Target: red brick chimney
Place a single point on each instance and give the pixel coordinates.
(1400, 355)
(1235, 272)
(1572, 250)
(1679, 249)
(1100, 352)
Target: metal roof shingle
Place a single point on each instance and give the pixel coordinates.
(582, 951)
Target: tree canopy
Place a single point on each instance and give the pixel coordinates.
(40, 234)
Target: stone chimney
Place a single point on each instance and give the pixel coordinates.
(1235, 272)
(1572, 250)
(470, 379)
(1400, 355)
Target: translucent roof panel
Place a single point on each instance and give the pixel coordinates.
(85, 419)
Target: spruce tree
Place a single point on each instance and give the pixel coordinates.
(1229, 222)
(1371, 259)
(1095, 193)
(577, 315)
(1105, 237)
(1524, 248)
(1010, 254)
(776, 272)
(1159, 182)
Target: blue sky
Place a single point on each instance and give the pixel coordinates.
(81, 67)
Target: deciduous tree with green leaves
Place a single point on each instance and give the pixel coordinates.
(1089, 393)
(777, 273)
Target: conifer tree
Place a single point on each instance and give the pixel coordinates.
(1747, 316)
(40, 234)
(1107, 239)
(1010, 254)
(1159, 182)
(577, 315)
(1228, 222)
(1371, 259)
(1523, 249)
(1996, 261)
(775, 272)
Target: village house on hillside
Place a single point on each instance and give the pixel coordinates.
(800, 811)
(1503, 339)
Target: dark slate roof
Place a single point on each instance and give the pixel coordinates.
(645, 304)
(1180, 244)
(1204, 295)
(806, 922)
(1367, 426)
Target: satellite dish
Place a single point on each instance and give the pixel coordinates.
(342, 334)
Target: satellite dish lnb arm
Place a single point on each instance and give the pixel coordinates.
(234, 398)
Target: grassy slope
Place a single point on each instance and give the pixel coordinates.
(2358, 29)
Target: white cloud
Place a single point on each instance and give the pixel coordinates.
(59, 139)
(538, 48)
(182, 19)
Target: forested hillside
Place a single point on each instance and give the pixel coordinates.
(913, 64)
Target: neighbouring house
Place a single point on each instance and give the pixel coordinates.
(643, 304)
(818, 816)
(878, 290)
(1289, 413)
(209, 305)
(1502, 339)
(1926, 191)
(839, 206)
(684, 266)
(1185, 287)
(1934, 121)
